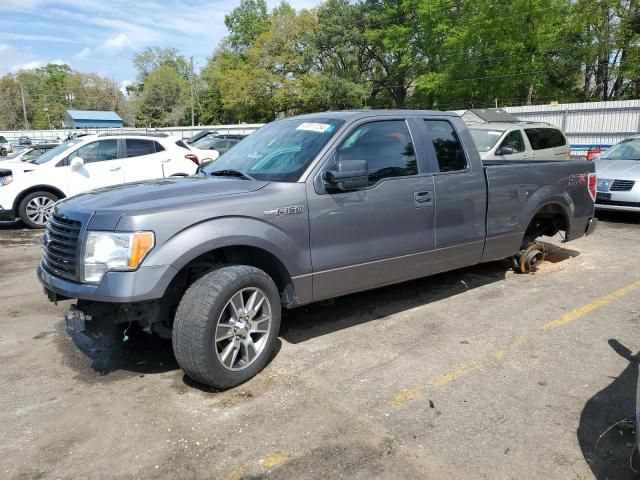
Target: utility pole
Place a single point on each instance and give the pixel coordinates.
(192, 87)
(24, 109)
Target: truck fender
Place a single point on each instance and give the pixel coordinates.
(210, 235)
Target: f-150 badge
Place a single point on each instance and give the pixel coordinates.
(285, 210)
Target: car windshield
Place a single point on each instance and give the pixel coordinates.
(485, 139)
(206, 142)
(280, 151)
(625, 150)
(44, 158)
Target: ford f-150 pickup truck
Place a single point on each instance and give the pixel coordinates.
(305, 209)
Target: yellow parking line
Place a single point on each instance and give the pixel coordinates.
(590, 307)
(460, 370)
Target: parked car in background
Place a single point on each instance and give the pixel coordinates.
(29, 190)
(618, 171)
(520, 141)
(199, 135)
(305, 209)
(33, 152)
(212, 146)
(5, 147)
(24, 140)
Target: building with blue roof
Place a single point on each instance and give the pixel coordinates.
(91, 119)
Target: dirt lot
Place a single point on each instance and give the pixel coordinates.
(477, 373)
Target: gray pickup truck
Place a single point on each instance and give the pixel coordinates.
(305, 209)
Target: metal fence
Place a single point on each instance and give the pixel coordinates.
(40, 136)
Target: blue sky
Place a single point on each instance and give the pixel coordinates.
(101, 36)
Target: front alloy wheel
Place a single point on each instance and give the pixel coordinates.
(36, 208)
(226, 326)
(243, 328)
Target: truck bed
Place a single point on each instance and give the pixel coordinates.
(517, 190)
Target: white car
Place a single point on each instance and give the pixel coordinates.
(520, 141)
(29, 190)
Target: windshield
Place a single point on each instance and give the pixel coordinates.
(206, 142)
(625, 150)
(44, 158)
(485, 139)
(280, 151)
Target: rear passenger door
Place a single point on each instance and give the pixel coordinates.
(144, 159)
(460, 194)
(548, 144)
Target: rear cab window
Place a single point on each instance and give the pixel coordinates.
(448, 148)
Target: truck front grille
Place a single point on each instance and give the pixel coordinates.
(622, 185)
(61, 247)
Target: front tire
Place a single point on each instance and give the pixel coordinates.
(226, 326)
(36, 208)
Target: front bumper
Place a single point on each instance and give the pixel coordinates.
(146, 283)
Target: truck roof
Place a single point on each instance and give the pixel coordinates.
(354, 114)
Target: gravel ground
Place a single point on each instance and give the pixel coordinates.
(476, 373)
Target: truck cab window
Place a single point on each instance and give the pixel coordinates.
(449, 151)
(386, 146)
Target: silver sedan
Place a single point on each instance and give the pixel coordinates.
(618, 172)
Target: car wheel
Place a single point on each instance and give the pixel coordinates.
(226, 326)
(34, 209)
(3, 152)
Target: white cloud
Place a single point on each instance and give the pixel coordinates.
(114, 44)
(84, 53)
(35, 38)
(36, 64)
(28, 66)
(123, 86)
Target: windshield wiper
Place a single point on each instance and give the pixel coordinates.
(231, 173)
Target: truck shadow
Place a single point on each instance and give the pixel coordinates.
(324, 318)
(605, 432)
(149, 354)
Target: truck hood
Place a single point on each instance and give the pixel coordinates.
(618, 169)
(160, 193)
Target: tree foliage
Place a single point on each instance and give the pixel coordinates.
(342, 54)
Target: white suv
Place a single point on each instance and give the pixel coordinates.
(520, 141)
(28, 190)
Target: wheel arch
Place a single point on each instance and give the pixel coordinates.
(547, 219)
(36, 188)
(238, 254)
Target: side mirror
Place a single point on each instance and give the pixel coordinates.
(348, 175)
(76, 163)
(505, 151)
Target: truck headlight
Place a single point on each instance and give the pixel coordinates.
(114, 251)
(6, 180)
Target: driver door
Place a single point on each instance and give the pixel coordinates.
(380, 234)
(103, 166)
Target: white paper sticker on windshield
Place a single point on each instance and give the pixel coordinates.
(315, 127)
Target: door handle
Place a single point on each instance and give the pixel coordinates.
(114, 169)
(422, 199)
